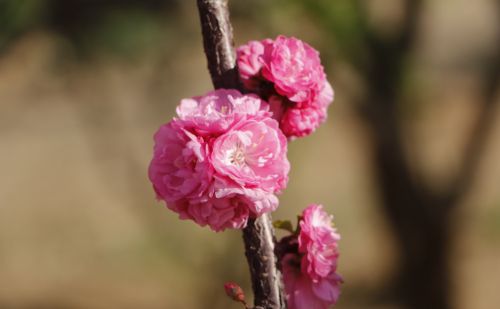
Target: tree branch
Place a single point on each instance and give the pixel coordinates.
(481, 132)
(218, 43)
(259, 234)
(259, 250)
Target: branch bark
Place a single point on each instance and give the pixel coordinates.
(218, 43)
(259, 250)
(258, 236)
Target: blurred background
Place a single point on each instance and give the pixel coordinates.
(408, 161)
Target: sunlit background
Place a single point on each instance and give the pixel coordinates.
(84, 84)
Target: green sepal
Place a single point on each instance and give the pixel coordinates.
(284, 225)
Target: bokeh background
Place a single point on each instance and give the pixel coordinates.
(408, 161)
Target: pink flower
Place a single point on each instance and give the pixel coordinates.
(249, 61)
(325, 98)
(295, 69)
(304, 293)
(318, 242)
(288, 72)
(309, 264)
(180, 167)
(221, 161)
(299, 122)
(218, 213)
(216, 111)
(258, 200)
(252, 155)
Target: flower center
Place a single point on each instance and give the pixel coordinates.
(237, 156)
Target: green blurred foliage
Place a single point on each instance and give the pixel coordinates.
(16, 16)
(345, 22)
(124, 33)
(125, 28)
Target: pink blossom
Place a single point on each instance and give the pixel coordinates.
(287, 72)
(221, 161)
(299, 122)
(216, 111)
(295, 69)
(250, 62)
(318, 242)
(258, 200)
(304, 293)
(252, 154)
(180, 167)
(309, 267)
(218, 213)
(325, 97)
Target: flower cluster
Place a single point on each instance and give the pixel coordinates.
(288, 74)
(221, 160)
(309, 262)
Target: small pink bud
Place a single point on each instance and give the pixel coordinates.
(234, 291)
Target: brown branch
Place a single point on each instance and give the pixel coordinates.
(266, 277)
(259, 233)
(218, 43)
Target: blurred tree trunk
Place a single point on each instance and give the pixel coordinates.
(419, 218)
(420, 215)
(420, 221)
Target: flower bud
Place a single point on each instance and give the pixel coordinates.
(234, 291)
